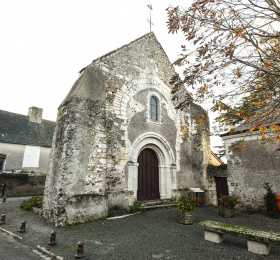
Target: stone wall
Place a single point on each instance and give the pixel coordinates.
(78, 157)
(201, 147)
(82, 208)
(195, 151)
(23, 184)
(258, 163)
(124, 198)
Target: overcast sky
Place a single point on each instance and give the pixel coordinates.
(45, 43)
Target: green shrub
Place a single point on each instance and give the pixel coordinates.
(119, 210)
(35, 201)
(270, 203)
(133, 209)
(23, 171)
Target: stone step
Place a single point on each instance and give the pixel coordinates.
(153, 207)
(151, 202)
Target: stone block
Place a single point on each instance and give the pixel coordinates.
(213, 236)
(258, 247)
(103, 161)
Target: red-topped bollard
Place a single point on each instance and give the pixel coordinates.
(52, 239)
(80, 250)
(22, 227)
(3, 221)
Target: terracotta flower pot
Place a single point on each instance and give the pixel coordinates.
(185, 217)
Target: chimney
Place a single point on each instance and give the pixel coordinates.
(35, 114)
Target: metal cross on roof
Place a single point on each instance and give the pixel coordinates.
(150, 21)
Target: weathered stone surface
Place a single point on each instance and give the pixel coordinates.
(253, 234)
(86, 207)
(258, 247)
(248, 170)
(212, 173)
(104, 123)
(23, 184)
(213, 236)
(124, 198)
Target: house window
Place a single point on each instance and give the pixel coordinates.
(2, 162)
(154, 104)
(31, 156)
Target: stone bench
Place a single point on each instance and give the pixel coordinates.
(258, 241)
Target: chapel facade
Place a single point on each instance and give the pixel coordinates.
(119, 138)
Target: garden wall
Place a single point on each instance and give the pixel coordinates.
(23, 184)
(258, 163)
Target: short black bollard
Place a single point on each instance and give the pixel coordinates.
(22, 227)
(80, 250)
(52, 239)
(3, 221)
(4, 199)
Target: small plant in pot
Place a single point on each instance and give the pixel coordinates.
(185, 207)
(227, 205)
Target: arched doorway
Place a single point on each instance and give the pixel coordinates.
(148, 177)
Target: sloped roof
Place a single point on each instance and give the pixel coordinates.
(148, 35)
(17, 129)
(272, 107)
(107, 55)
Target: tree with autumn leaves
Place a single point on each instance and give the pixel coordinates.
(232, 60)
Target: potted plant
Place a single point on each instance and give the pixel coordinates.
(185, 207)
(227, 205)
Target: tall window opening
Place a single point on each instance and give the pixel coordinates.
(154, 108)
(2, 162)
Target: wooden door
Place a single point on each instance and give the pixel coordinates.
(148, 177)
(221, 186)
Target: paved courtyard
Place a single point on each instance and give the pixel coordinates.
(149, 235)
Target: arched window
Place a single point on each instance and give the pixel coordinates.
(154, 108)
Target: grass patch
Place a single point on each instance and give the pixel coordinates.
(23, 171)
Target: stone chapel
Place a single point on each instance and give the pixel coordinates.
(119, 139)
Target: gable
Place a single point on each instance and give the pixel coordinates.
(139, 62)
(142, 54)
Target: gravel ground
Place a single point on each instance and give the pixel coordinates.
(149, 235)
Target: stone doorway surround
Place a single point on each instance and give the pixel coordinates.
(166, 159)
